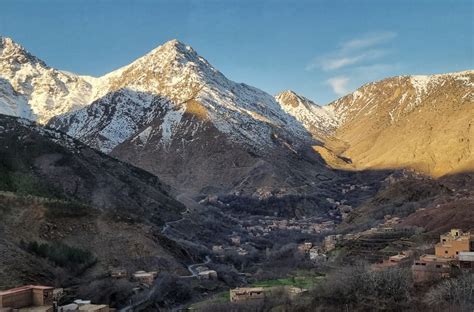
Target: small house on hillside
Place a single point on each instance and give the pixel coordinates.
(247, 294)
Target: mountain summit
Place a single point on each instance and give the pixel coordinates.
(33, 90)
(421, 122)
(172, 113)
(319, 120)
(13, 53)
(205, 129)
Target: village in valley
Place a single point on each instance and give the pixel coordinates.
(315, 241)
(453, 253)
(241, 263)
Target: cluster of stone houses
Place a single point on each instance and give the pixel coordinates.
(340, 208)
(143, 278)
(220, 250)
(39, 298)
(314, 252)
(455, 250)
(318, 253)
(268, 224)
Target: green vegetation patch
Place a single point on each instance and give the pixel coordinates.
(219, 298)
(296, 281)
(66, 209)
(61, 254)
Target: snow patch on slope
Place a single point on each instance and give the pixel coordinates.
(175, 72)
(316, 119)
(170, 121)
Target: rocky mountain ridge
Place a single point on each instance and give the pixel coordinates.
(419, 122)
(33, 90)
(173, 105)
(173, 71)
(318, 120)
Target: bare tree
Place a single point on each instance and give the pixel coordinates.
(455, 294)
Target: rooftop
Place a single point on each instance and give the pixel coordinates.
(35, 309)
(92, 307)
(23, 288)
(248, 289)
(433, 258)
(399, 257)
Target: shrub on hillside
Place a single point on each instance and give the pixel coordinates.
(453, 294)
(61, 254)
(110, 291)
(66, 209)
(359, 287)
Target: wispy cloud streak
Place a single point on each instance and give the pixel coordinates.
(367, 41)
(353, 51)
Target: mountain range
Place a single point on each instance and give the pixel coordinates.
(160, 164)
(173, 114)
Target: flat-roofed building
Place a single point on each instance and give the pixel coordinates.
(208, 274)
(466, 260)
(84, 305)
(145, 277)
(118, 273)
(94, 308)
(26, 296)
(452, 243)
(247, 294)
(430, 267)
(399, 259)
(35, 309)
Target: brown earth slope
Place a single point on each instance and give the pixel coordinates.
(421, 122)
(57, 191)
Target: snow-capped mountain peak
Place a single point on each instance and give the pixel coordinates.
(290, 97)
(34, 90)
(167, 83)
(13, 53)
(318, 120)
(399, 95)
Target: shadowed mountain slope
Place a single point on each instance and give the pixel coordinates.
(56, 190)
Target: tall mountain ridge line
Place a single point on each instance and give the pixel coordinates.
(172, 101)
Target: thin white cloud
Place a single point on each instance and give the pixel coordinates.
(368, 40)
(353, 52)
(339, 84)
(339, 62)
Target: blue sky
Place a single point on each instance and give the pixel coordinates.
(320, 49)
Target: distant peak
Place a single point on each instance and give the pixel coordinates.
(290, 97)
(176, 45)
(290, 94)
(287, 93)
(172, 50)
(12, 50)
(7, 42)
